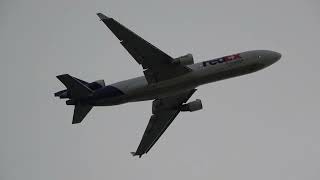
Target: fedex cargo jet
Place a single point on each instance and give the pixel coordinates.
(169, 82)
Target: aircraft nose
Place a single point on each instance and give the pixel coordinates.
(276, 56)
(272, 57)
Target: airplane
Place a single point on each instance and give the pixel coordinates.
(168, 81)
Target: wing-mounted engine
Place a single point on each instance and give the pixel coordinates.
(158, 106)
(192, 106)
(93, 86)
(184, 60)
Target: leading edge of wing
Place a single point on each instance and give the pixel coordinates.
(160, 121)
(140, 49)
(157, 65)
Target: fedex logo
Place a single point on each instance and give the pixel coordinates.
(222, 60)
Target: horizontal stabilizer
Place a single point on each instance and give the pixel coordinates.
(80, 112)
(77, 88)
(58, 94)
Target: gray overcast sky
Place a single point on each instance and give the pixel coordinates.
(260, 126)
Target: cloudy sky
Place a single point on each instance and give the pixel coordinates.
(259, 126)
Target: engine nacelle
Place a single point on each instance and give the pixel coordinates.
(184, 60)
(64, 94)
(192, 106)
(96, 84)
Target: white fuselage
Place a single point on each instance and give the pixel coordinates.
(138, 89)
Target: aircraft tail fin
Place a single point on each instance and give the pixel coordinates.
(80, 112)
(78, 88)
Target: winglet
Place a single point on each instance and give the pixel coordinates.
(134, 154)
(102, 16)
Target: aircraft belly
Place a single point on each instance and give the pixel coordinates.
(163, 89)
(227, 73)
(137, 89)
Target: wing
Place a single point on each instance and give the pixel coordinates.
(164, 112)
(157, 65)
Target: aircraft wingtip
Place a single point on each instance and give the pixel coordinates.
(102, 16)
(135, 154)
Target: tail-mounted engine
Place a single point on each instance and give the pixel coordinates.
(93, 86)
(96, 84)
(184, 60)
(192, 106)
